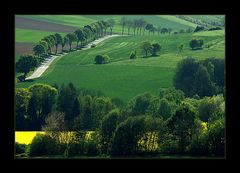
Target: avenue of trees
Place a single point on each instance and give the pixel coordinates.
(49, 45)
(188, 121)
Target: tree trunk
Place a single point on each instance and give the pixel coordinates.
(122, 29)
(56, 49)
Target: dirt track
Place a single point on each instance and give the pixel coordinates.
(25, 23)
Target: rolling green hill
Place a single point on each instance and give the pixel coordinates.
(124, 78)
(81, 20)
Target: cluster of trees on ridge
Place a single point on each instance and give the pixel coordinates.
(174, 121)
(139, 26)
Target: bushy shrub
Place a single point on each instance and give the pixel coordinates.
(43, 145)
(133, 55)
(20, 148)
(102, 59)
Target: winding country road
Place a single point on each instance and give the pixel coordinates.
(43, 67)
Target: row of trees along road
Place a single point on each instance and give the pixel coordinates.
(43, 49)
(84, 35)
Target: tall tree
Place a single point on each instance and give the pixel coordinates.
(80, 36)
(22, 97)
(111, 23)
(39, 50)
(25, 64)
(71, 38)
(123, 23)
(42, 101)
(182, 125)
(58, 40)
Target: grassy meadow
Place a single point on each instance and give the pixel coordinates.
(124, 78)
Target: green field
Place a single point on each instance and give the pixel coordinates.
(28, 35)
(124, 78)
(32, 36)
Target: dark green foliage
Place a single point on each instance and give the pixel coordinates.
(101, 106)
(20, 148)
(215, 28)
(216, 138)
(133, 55)
(184, 77)
(66, 101)
(146, 47)
(127, 135)
(203, 84)
(25, 64)
(139, 104)
(41, 103)
(204, 78)
(102, 59)
(199, 28)
(107, 128)
(43, 145)
(196, 44)
(22, 97)
(155, 48)
(182, 125)
(39, 50)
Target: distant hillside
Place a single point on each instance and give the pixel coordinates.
(81, 20)
(204, 20)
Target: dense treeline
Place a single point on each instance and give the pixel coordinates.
(172, 122)
(201, 78)
(166, 123)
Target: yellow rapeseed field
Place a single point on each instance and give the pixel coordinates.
(25, 137)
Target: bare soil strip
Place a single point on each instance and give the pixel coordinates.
(25, 23)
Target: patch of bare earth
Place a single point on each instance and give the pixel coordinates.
(23, 48)
(25, 23)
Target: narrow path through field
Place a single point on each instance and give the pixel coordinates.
(43, 67)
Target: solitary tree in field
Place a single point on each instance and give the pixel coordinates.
(58, 40)
(102, 59)
(196, 44)
(146, 47)
(155, 48)
(25, 64)
(180, 48)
